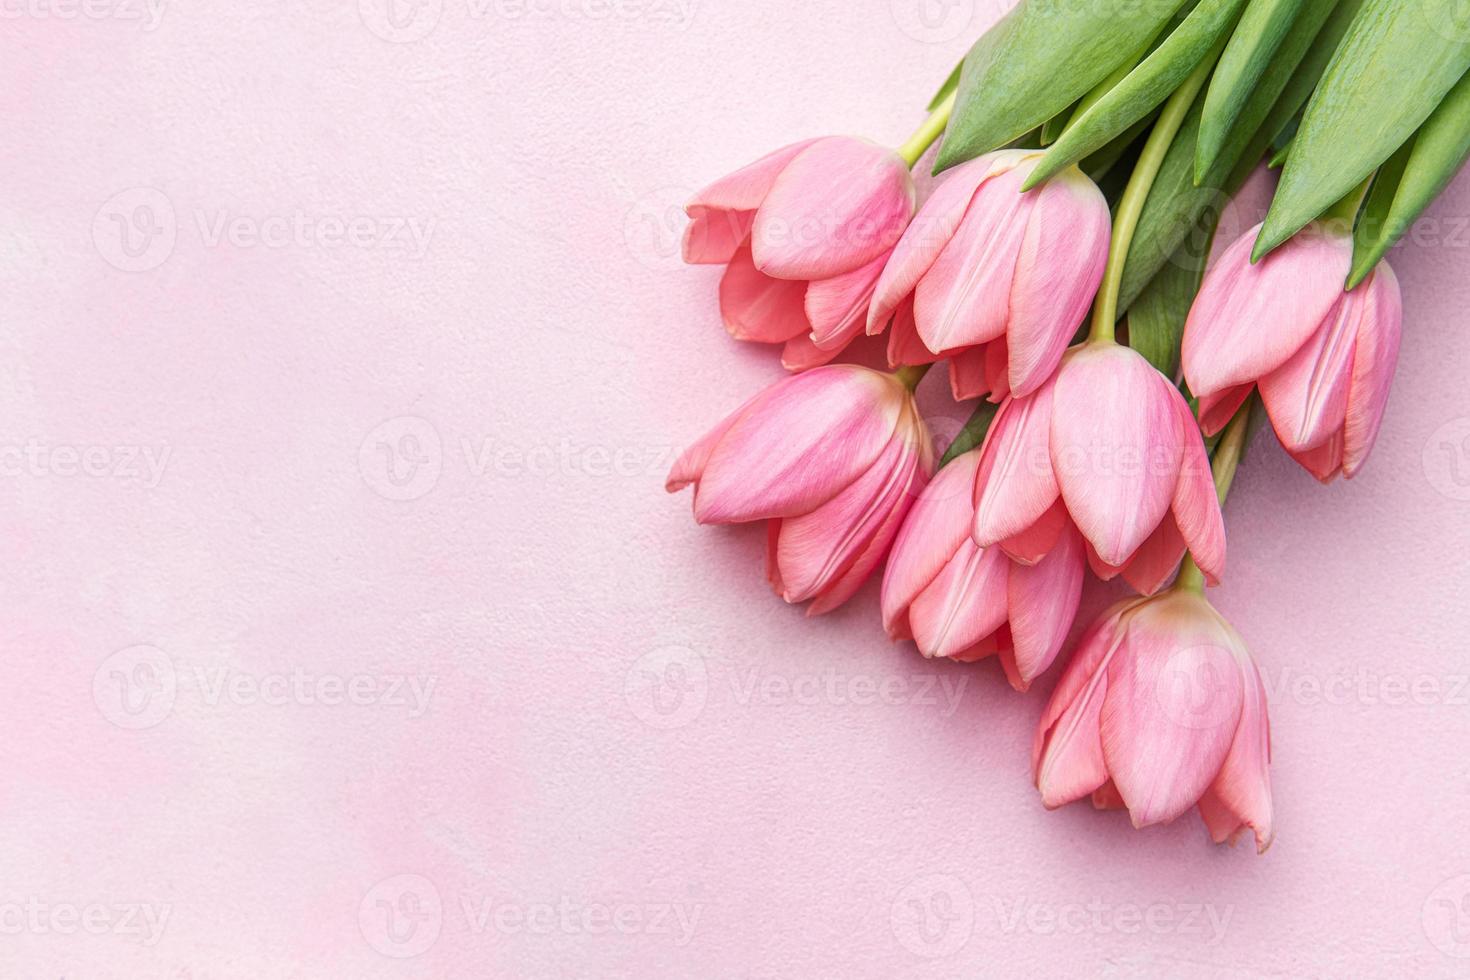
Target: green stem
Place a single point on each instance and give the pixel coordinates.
(1130, 207)
(1227, 460)
(912, 375)
(926, 134)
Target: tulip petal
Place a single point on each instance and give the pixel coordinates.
(1058, 269)
(721, 214)
(967, 377)
(1323, 462)
(690, 465)
(1107, 797)
(933, 531)
(1173, 704)
(837, 308)
(1374, 361)
(713, 237)
(1115, 447)
(1292, 290)
(997, 370)
(847, 585)
(1307, 396)
(1216, 411)
(838, 205)
(1196, 505)
(746, 188)
(1043, 604)
(756, 307)
(1067, 752)
(1243, 787)
(800, 354)
(1034, 543)
(800, 445)
(964, 604)
(1015, 483)
(1153, 564)
(929, 232)
(817, 547)
(904, 345)
(964, 298)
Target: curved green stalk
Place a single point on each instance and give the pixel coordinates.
(1130, 207)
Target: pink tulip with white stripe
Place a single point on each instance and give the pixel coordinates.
(1161, 709)
(1322, 358)
(957, 600)
(1109, 445)
(832, 458)
(805, 232)
(995, 280)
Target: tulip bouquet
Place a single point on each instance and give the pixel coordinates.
(1060, 267)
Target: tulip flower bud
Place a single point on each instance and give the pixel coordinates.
(1107, 444)
(804, 233)
(1161, 709)
(994, 279)
(1322, 358)
(957, 600)
(832, 458)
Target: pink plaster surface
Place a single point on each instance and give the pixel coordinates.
(349, 632)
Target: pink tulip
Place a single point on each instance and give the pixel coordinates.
(1322, 358)
(994, 279)
(1161, 709)
(957, 600)
(1107, 444)
(832, 458)
(805, 232)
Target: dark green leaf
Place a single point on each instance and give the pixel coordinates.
(1392, 69)
(1424, 167)
(1373, 214)
(1142, 90)
(1175, 203)
(1260, 32)
(973, 434)
(1035, 62)
(1286, 84)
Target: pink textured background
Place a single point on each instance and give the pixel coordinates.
(396, 467)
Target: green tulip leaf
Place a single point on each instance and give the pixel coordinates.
(1035, 62)
(1176, 202)
(1141, 90)
(1257, 37)
(973, 434)
(1397, 62)
(1286, 84)
(1411, 179)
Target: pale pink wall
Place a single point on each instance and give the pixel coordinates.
(512, 611)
